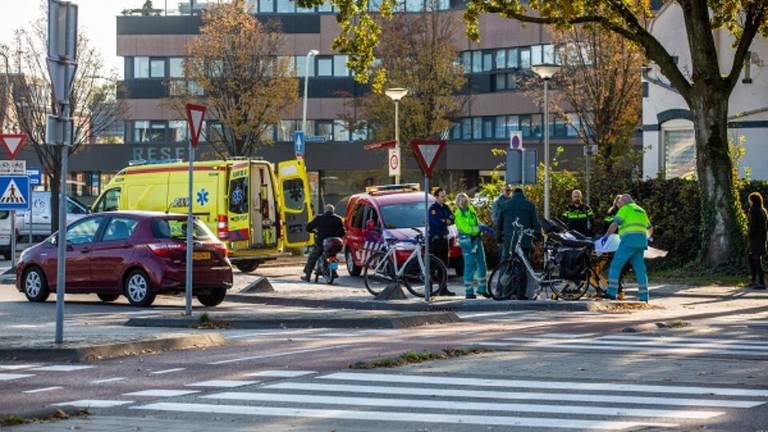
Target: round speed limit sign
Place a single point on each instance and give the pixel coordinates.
(394, 162)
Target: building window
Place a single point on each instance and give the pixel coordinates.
(536, 58)
(325, 129)
(525, 125)
(266, 6)
(177, 130)
(477, 61)
(176, 67)
(325, 7)
(501, 59)
(285, 130)
(414, 5)
(477, 128)
(456, 131)
(466, 61)
(301, 62)
(487, 61)
(513, 124)
(512, 58)
(574, 123)
(340, 66)
(513, 81)
(466, 128)
(141, 67)
(340, 131)
(146, 132)
(679, 153)
(488, 128)
(548, 54)
(157, 68)
(285, 6)
(325, 66)
(525, 58)
(536, 125)
(499, 82)
(501, 127)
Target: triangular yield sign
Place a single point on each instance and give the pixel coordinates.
(427, 153)
(195, 115)
(12, 143)
(12, 194)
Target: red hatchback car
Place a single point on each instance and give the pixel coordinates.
(135, 254)
(388, 211)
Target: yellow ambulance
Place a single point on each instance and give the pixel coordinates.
(257, 209)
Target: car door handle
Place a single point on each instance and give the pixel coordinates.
(85, 250)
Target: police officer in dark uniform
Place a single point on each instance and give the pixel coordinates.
(579, 216)
(325, 226)
(440, 217)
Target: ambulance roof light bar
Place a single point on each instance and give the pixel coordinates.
(392, 188)
(137, 162)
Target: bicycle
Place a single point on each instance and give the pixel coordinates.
(515, 269)
(382, 269)
(327, 264)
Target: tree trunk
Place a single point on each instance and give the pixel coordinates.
(722, 219)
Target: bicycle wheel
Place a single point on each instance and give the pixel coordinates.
(328, 273)
(414, 277)
(379, 273)
(563, 288)
(507, 276)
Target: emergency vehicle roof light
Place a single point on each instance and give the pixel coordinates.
(136, 162)
(404, 187)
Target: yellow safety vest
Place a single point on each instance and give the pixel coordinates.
(634, 220)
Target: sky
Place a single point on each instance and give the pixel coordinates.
(96, 19)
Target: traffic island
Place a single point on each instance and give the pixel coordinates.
(299, 319)
(90, 349)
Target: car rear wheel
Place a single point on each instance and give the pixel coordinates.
(213, 297)
(352, 269)
(106, 297)
(247, 266)
(138, 289)
(35, 285)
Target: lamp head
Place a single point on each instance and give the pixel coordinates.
(313, 53)
(546, 70)
(396, 93)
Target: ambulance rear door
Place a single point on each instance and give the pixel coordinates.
(295, 209)
(239, 206)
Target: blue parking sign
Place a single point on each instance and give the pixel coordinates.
(14, 193)
(35, 178)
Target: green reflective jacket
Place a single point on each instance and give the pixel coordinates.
(466, 221)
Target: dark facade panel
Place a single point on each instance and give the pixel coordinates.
(143, 89)
(190, 24)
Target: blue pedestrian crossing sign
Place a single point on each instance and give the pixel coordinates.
(299, 142)
(14, 193)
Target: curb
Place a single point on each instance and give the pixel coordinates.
(448, 306)
(120, 349)
(393, 322)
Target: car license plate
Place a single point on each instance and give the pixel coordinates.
(333, 265)
(201, 255)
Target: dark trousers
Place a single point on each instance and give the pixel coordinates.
(756, 265)
(314, 255)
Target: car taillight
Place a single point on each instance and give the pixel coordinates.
(222, 228)
(166, 249)
(221, 247)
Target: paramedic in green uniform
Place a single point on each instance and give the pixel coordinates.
(634, 228)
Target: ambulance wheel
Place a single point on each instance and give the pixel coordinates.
(352, 269)
(247, 266)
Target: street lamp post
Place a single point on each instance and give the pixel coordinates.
(546, 71)
(397, 93)
(310, 54)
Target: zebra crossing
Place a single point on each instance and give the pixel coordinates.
(468, 401)
(741, 347)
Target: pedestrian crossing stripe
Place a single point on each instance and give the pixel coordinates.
(12, 194)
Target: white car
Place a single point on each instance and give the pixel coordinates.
(41, 220)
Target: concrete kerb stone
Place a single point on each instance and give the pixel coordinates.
(448, 306)
(371, 322)
(113, 350)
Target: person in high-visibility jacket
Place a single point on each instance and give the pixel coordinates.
(471, 242)
(634, 227)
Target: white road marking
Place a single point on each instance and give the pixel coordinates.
(94, 403)
(10, 376)
(472, 315)
(552, 385)
(513, 395)
(691, 340)
(279, 354)
(18, 367)
(281, 373)
(62, 368)
(463, 405)
(108, 380)
(41, 390)
(221, 383)
(167, 371)
(161, 393)
(411, 417)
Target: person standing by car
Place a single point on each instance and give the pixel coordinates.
(519, 209)
(758, 231)
(440, 217)
(634, 228)
(326, 225)
(579, 216)
(471, 243)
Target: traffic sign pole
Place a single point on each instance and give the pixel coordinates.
(195, 116)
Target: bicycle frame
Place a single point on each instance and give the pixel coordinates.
(519, 253)
(391, 255)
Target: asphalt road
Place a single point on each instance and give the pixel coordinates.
(547, 371)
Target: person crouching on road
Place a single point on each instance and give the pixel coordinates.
(634, 228)
(579, 216)
(440, 217)
(758, 231)
(471, 244)
(326, 225)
